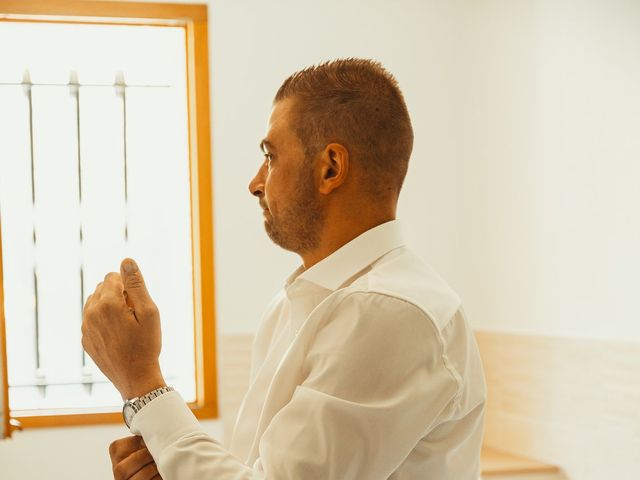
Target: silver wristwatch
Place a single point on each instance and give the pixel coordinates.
(133, 406)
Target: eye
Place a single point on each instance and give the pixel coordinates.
(268, 157)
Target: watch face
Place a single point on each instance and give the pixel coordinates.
(128, 412)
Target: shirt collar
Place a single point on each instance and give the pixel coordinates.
(334, 270)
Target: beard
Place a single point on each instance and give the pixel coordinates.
(298, 227)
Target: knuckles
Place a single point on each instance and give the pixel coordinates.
(104, 307)
(111, 275)
(123, 447)
(89, 312)
(119, 472)
(128, 454)
(113, 448)
(95, 312)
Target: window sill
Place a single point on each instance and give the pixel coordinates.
(70, 418)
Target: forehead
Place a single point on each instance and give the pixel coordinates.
(280, 121)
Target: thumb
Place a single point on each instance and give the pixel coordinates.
(133, 282)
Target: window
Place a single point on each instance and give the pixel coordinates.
(104, 153)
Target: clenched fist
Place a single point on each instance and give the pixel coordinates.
(131, 460)
(121, 332)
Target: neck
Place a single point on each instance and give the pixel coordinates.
(338, 233)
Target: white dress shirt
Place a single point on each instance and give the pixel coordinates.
(363, 368)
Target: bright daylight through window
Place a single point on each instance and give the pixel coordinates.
(94, 166)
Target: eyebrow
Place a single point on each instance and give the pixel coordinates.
(267, 144)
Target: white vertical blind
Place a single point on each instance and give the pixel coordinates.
(18, 254)
(56, 220)
(110, 172)
(159, 215)
(103, 199)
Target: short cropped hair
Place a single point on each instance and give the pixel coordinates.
(357, 103)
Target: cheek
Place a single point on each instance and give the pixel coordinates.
(269, 198)
(278, 185)
(272, 190)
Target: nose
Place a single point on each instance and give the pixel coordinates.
(256, 186)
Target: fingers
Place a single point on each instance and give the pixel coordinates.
(112, 283)
(108, 295)
(123, 447)
(87, 303)
(138, 465)
(148, 472)
(129, 282)
(112, 278)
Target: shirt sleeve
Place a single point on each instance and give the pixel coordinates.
(376, 381)
(181, 448)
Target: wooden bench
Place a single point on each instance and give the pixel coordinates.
(497, 465)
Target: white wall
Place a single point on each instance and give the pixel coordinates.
(523, 187)
(550, 167)
(256, 45)
(71, 453)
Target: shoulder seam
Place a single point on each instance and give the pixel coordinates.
(445, 359)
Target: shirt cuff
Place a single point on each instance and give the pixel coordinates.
(163, 421)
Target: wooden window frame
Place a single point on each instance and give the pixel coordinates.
(193, 18)
(5, 431)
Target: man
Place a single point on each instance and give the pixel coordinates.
(363, 366)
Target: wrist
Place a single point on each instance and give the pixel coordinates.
(142, 387)
(132, 406)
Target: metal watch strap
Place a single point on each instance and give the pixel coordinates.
(138, 403)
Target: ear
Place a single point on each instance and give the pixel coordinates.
(334, 167)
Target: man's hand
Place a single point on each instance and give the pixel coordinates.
(121, 332)
(131, 460)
